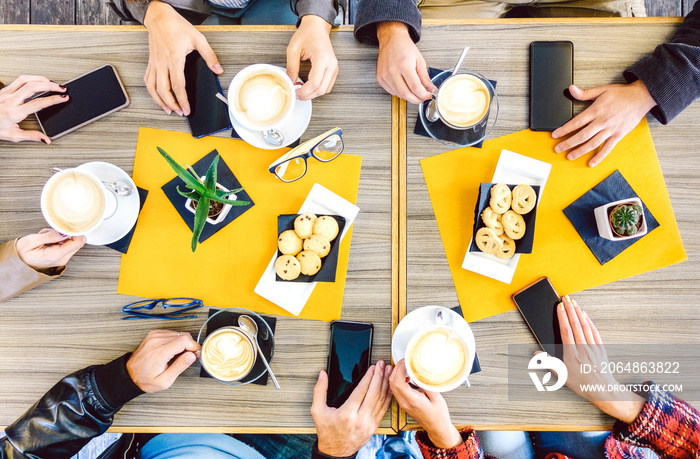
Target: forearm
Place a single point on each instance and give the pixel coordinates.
(672, 72)
(468, 448)
(372, 13)
(16, 276)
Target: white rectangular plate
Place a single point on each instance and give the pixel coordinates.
(292, 296)
(512, 169)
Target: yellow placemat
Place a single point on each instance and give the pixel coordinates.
(226, 267)
(559, 253)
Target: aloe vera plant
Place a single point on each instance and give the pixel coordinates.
(625, 219)
(203, 192)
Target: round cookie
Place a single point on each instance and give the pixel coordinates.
(287, 267)
(508, 248)
(327, 227)
(310, 262)
(289, 243)
(524, 199)
(488, 241)
(513, 225)
(492, 220)
(500, 198)
(318, 244)
(304, 225)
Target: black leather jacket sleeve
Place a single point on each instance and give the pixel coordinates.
(79, 407)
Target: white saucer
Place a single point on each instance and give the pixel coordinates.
(120, 223)
(417, 320)
(292, 129)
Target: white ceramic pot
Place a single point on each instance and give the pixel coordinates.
(603, 221)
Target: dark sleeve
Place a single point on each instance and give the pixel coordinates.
(371, 13)
(672, 72)
(316, 454)
(194, 11)
(79, 407)
(326, 9)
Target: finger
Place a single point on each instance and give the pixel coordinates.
(313, 83)
(416, 86)
(424, 76)
(387, 84)
(567, 336)
(576, 123)
(48, 237)
(208, 54)
(19, 135)
(150, 80)
(605, 151)
(433, 396)
(72, 245)
(164, 90)
(320, 392)
(182, 363)
(403, 91)
(42, 103)
(386, 395)
(586, 94)
(33, 87)
(324, 87)
(293, 62)
(589, 146)
(374, 391)
(583, 320)
(574, 323)
(178, 85)
(22, 80)
(355, 400)
(178, 344)
(594, 330)
(579, 138)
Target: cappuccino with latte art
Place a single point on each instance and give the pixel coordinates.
(437, 359)
(228, 354)
(463, 100)
(73, 202)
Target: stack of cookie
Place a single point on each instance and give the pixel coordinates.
(303, 247)
(504, 215)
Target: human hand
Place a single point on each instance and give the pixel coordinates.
(616, 110)
(429, 409)
(13, 108)
(343, 431)
(401, 69)
(48, 249)
(583, 346)
(148, 365)
(170, 39)
(311, 42)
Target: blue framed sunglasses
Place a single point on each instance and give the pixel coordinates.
(178, 307)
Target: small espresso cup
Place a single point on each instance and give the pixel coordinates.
(229, 354)
(261, 97)
(463, 100)
(438, 359)
(74, 202)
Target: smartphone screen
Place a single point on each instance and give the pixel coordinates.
(348, 358)
(208, 114)
(92, 96)
(538, 305)
(551, 74)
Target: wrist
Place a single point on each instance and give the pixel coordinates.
(389, 30)
(446, 437)
(644, 96)
(335, 450)
(621, 407)
(313, 21)
(156, 9)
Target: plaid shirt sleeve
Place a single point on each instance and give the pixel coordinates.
(668, 425)
(469, 449)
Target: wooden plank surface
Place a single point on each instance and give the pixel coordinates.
(657, 307)
(74, 321)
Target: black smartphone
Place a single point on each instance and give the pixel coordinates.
(92, 96)
(538, 305)
(208, 114)
(551, 74)
(348, 358)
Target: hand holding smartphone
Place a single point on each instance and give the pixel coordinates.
(208, 114)
(551, 74)
(349, 358)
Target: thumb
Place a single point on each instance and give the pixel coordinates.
(209, 56)
(293, 59)
(425, 78)
(182, 363)
(586, 94)
(29, 136)
(321, 389)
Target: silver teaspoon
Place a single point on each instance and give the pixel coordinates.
(248, 324)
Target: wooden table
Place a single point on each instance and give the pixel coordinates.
(74, 321)
(657, 307)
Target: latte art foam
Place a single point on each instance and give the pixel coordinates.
(74, 202)
(437, 357)
(263, 98)
(463, 100)
(227, 354)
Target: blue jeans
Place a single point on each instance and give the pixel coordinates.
(529, 445)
